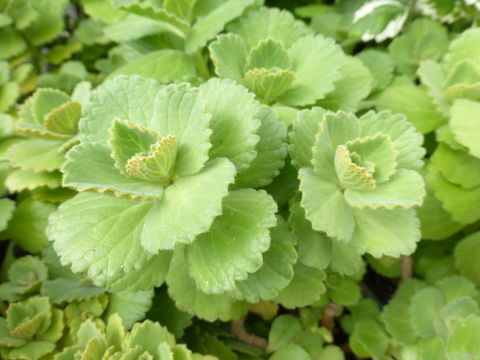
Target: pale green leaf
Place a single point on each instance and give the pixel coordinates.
(463, 48)
(271, 152)
(37, 154)
(187, 297)
(64, 119)
(100, 234)
(164, 65)
(9, 93)
(314, 249)
(46, 100)
(285, 330)
(432, 76)
(466, 257)
(209, 25)
(131, 306)
(180, 110)
(12, 43)
(371, 337)
(456, 287)
(386, 232)
(462, 343)
(302, 136)
(325, 206)
(265, 23)
(346, 259)
(268, 54)
(67, 290)
(277, 268)
(425, 308)
(27, 226)
(304, 289)
(414, 103)
(268, 84)
(380, 66)
(229, 56)
(465, 124)
(354, 85)
(19, 180)
(405, 189)
(234, 121)
(406, 140)
(188, 207)
(235, 242)
(90, 167)
(343, 290)
(316, 63)
(291, 351)
(461, 203)
(123, 97)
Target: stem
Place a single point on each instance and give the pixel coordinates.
(201, 65)
(407, 265)
(237, 327)
(328, 319)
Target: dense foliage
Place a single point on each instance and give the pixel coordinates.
(239, 179)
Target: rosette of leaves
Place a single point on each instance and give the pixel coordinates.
(147, 340)
(49, 119)
(278, 58)
(154, 167)
(431, 321)
(25, 24)
(454, 86)
(31, 329)
(359, 178)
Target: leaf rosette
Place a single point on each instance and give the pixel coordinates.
(359, 178)
(278, 58)
(155, 168)
(30, 329)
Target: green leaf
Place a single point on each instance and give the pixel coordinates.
(302, 136)
(461, 203)
(188, 207)
(229, 56)
(64, 119)
(465, 259)
(277, 268)
(386, 232)
(370, 336)
(436, 222)
(123, 97)
(425, 308)
(285, 330)
(414, 103)
(89, 167)
(321, 199)
(127, 140)
(396, 316)
(180, 110)
(12, 43)
(268, 84)
(462, 342)
(164, 65)
(7, 206)
(304, 289)
(44, 101)
(235, 242)
(424, 39)
(27, 226)
(463, 48)
(67, 290)
(432, 76)
(271, 152)
(291, 351)
(100, 234)
(8, 95)
(316, 63)
(269, 23)
(131, 306)
(405, 189)
(406, 140)
(464, 124)
(380, 66)
(182, 289)
(268, 54)
(351, 88)
(455, 288)
(234, 121)
(156, 165)
(19, 180)
(32, 350)
(343, 290)
(457, 166)
(37, 154)
(314, 249)
(209, 25)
